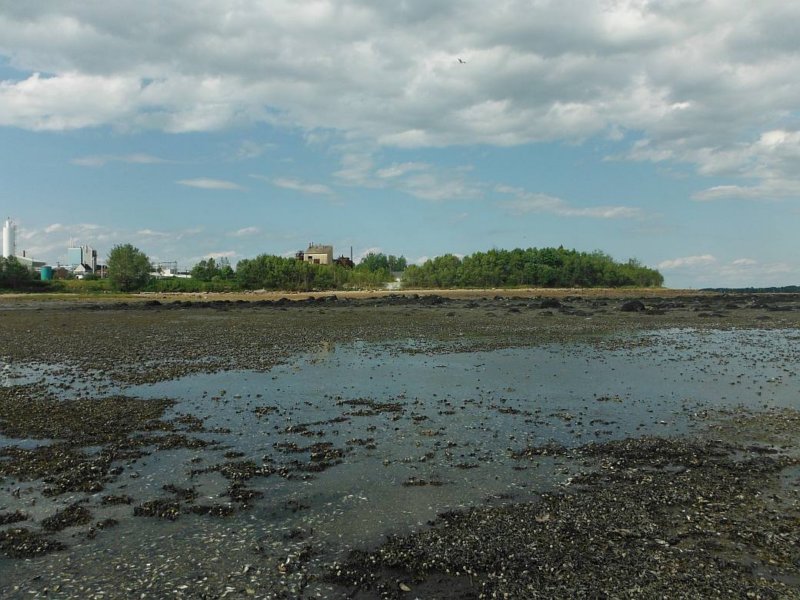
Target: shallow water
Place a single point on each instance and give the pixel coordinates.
(457, 420)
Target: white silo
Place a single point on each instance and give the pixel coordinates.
(9, 243)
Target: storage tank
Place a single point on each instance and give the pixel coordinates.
(9, 243)
(47, 273)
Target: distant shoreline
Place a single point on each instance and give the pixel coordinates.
(454, 293)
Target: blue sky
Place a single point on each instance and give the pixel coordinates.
(664, 130)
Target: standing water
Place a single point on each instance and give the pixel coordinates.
(348, 444)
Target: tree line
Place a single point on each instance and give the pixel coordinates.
(531, 267)
(129, 269)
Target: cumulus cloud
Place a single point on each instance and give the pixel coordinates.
(67, 101)
(75, 231)
(205, 183)
(50, 243)
(709, 271)
(388, 73)
(532, 202)
(771, 160)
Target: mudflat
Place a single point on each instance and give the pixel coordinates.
(464, 444)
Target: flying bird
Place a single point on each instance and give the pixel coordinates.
(463, 62)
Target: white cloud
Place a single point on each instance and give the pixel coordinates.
(398, 170)
(708, 271)
(246, 232)
(50, 243)
(357, 169)
(152, 233)
(388, 74)
(302, 186)
(205, 183)
(531, 202)
(421, 180)
(99, 161)
(744, 262)
(67, 101)
(687, 262)
(772, 161)
(181, 234)
(249, 149)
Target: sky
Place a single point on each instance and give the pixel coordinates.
(662, 130)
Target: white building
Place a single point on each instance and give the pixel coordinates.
(9, 239)
(10, 246)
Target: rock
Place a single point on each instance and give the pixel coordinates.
(632, 306)
(550, 303)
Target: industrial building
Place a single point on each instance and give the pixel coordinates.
(10, 247)
(82, 260)
(317, 254)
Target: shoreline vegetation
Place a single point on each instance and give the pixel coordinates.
(129, 270)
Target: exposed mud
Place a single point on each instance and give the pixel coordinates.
(652, 517)
(154, 340)
(708, 513)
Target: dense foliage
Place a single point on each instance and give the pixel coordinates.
(128, 268)
(211, 270)
(278, 273)
(544, 267)
(376, 262)
(13, 274)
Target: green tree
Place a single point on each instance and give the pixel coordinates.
(397, 263)
(13, 274)
(211, 270)
(205, 270)
(128, 268)
(226, 272)
(374, 262)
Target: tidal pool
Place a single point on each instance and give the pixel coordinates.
(410, 434)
